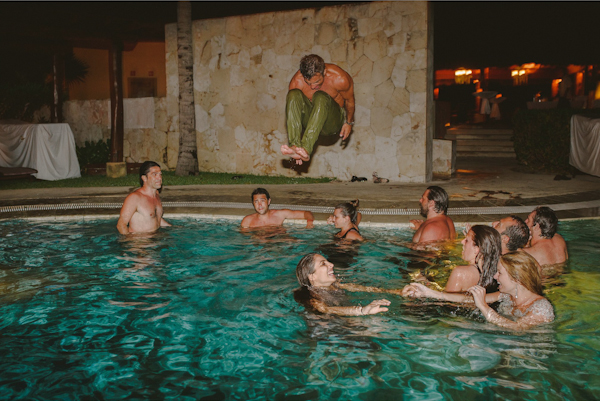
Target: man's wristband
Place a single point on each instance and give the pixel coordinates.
(352, 123)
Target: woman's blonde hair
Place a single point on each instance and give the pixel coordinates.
(524, 269)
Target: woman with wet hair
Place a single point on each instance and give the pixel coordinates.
(322, 292)
(481, 249)
(346, 217)
(522, 304)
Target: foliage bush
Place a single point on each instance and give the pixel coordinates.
(93, 153)
(542, 138)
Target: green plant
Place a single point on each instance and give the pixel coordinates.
(93, 153)
(542, 138)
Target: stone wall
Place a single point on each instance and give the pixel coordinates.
(242, 69)
(146, 126)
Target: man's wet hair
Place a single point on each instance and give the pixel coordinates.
(310, 65)
(440, 197)
(518, 234)
(260, 191)
(145, 167)
(547, 220)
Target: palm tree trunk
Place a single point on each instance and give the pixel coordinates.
(187, 162)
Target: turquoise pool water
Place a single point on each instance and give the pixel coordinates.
(202, 311)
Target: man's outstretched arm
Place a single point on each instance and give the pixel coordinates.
(299, 215)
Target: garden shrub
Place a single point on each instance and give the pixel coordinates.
(542, 138)
(93, 153)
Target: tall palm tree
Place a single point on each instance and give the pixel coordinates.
(187, 162)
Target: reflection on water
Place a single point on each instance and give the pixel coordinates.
(206, 310)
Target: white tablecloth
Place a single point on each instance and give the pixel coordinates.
(48, 148)
(585, 144)
(485, 100)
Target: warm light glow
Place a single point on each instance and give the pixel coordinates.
(499, 95)
(463, 76)
(521, 72)
(514, 73)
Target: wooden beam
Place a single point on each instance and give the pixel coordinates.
(116, 102)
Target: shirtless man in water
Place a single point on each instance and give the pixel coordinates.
(546, 246)
(320, 101)
(142, 210)
(437, 226)
(264, 217)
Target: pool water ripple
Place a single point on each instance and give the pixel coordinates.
(204, 310)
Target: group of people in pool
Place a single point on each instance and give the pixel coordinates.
(504, 267)
(505, 261)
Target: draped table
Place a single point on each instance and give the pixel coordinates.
(485, 97)
(585, 144)
(48, 148)
(495, 114)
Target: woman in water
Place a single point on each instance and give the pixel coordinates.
(321, 290)
(522, 304)
(346, 218)
(481, 249)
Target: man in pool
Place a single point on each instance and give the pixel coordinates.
(264, 217)
(142, 210)
(437, 226)
(320, 101)
(546, 246)
(514, 233)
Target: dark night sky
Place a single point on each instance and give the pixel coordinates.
(467, 34)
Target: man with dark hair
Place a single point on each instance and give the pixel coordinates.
(437, 226)
(261, 200)
(546, 246)
(514, 233)
(142, 210)
(320, 101)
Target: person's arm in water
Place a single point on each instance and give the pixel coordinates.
(371, 309)
(417, 290)
(529, 320)
(361, 288)
(127, 211)
(298, 215)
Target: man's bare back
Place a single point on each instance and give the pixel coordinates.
(439, 228)
(337, 83)
(549, 251)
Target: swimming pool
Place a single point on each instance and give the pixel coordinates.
(202, 311)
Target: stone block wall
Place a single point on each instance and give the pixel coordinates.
(242, 69)
(146, 127)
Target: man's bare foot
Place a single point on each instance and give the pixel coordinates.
(302, 152)
(286, 150)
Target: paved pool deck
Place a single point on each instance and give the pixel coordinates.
(482, 190)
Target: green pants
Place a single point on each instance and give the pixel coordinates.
(321, 116)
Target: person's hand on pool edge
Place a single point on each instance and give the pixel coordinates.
(375, 307)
